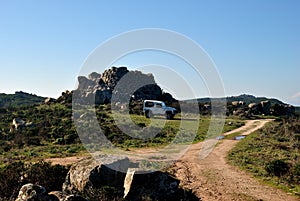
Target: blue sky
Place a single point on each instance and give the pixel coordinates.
(254, 44)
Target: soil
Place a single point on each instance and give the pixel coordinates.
(65, 161)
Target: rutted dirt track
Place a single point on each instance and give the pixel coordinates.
(213, 178)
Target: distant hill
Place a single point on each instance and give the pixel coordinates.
(19, 99)
(244, 97)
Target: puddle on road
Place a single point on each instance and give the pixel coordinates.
(239, 137)
(220, 137)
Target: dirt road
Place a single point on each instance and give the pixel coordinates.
(213, 178)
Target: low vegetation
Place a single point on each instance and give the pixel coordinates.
(272, 154)
(53, 133)
(18, 173)
(19, 99)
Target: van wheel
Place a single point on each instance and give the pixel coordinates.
(148, 114)
(169, 115)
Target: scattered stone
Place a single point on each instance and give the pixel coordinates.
(18, 123)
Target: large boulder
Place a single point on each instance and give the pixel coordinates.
(153, 185)
(96, 173)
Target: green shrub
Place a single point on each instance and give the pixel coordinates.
(296, 172)
(14, 175)
(277, 167)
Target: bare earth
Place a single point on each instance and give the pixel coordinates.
(65, 161)
(212, 178)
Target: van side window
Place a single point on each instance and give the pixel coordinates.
(149, 104)
(159, 105)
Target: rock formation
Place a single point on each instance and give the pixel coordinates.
(119, 84)
(261, 108)
(19, 123)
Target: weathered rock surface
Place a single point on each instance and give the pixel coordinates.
(31, 192)
(91, 173)
(154, 185)
(262, 108)
(120, 84)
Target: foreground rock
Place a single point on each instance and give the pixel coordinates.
(155, 186)
(110, 178)
(90, 173)
(117, 173)
(31, 192)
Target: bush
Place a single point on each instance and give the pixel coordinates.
(10, 180)
(277, 167)
(296, 172)
(15, 175)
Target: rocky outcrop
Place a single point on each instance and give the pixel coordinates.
(120, 84)
(66, 97)
(19, 123)
(283, 110)
(262, 108)
(238, 103)
(49, 100)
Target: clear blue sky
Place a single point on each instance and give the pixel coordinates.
(254, 44)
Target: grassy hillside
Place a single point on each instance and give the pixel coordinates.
(19, 99)
(272, 154)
